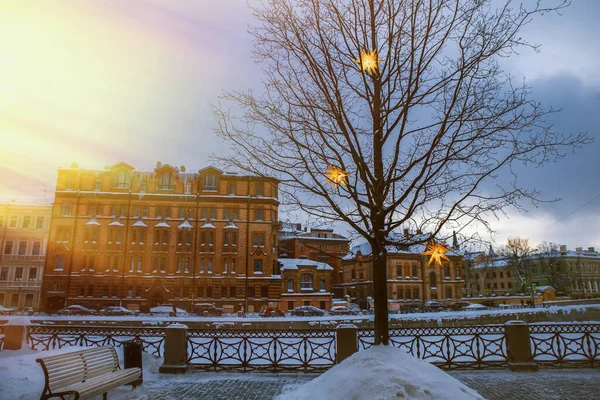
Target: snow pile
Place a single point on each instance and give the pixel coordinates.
(382, 372)
(22, 378)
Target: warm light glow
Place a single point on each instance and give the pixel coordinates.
(368, 61)
(436, 252)
(337, 176)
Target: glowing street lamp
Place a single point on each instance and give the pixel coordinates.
(436, 252)
(337, 176)
(368, 61)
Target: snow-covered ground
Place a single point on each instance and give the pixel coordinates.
(382, 373)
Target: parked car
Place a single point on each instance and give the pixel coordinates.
(410, 308)
(167, 309)
(490, 303)
(116, 310)
(6, 311)
(271, 312)
(307, 311)
(433, 306)
(76, 310)
(475, 306)
(342, 310)
(459, 305)
(212, 310)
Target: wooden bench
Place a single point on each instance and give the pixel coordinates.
(85, 373)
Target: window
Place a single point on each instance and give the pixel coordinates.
(210, 182)
(501, 285)
(259, 215)
(28, 300)
(14, 300)
(13, 222)
(457, 271)
(322, 287)
(145, 212)
(264, 292)
(165, 181)
(8, 247)
(122, 179)
(26, 222)
(32, 274)
(59, 263)
(232, 265)
(186, 265)
(448, 293)
(66, 209)
(202, 265)
(260, 189)
(70, 184)
(251, 291)
(209, 266)
(143, 185)
(447, 271)
(187, 189)
(415, 294)
(290, 285)
(258, 239)
(208, 213)
(501, 274)
(122, 211)
(4, 275)
(231, 189)
(232, 291)
(414, 271)
(306, 281)
(230, 214)
(225, 265)
(22, 247)
(400, 294)
(258, 266)
(399, 271)
(163, 264)
(18, 273)
(98, 185)
(113, 210)
(226, 239)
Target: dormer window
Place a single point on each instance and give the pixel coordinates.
(166, 181)
(122, 181)
(210, 182)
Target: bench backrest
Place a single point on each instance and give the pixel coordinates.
(78, 366)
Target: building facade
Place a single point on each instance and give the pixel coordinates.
(321, 245)
(24, 231)
(121, 236)
(410, 278)
(305, 283)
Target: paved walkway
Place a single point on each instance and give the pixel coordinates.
(580, 384)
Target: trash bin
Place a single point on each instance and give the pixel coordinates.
(132, 358)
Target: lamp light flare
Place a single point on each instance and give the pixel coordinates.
(368, 61)
(337, 176)
(436, 252)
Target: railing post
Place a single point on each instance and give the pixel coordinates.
(15, 333)
(518, 347)
(175, 350)
(346, 341)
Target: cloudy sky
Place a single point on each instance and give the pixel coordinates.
(97, 82)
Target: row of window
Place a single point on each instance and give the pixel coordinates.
(159, 264)
(14, 300)
(22, 247)
(162, 212)
(166, 181)
(32, 274)
(306, 283)
(179, 292)
(27, 222)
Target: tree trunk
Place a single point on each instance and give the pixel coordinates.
(380, 296)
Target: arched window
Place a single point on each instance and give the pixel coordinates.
(306, 281)
(432, 280)
(165, 181)
(210, 182)
(122, 179)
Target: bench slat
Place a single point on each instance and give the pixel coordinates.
(76, 353)
(104, 383)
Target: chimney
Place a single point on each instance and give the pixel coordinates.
(578, 249)
(298, 227)
(405, 232)
(182, 168)
(563, 249)
(158, 164)
(591, 249)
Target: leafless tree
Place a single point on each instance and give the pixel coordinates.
(419, 138)
(552, 267)
(520, 259)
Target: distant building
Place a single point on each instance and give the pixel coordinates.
(409, 276)
(24, 231)
(305, 282)
(322, 245)
(121, 236)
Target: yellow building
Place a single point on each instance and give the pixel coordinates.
(121, 236)
(410, 278)
(24, 231)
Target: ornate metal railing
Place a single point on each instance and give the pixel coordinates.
(565, 345)
(273, 351)
(469, 347)
(47, 337)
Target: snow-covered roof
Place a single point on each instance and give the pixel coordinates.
(116, 222)
(92, 222)
(162, 224)
(208, 225)
(230, 225)
(495, 263)
(294, 263)
(184, 225)
(139, 223)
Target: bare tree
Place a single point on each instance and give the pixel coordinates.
(520, 259)
(418, 137)
(552, 266)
